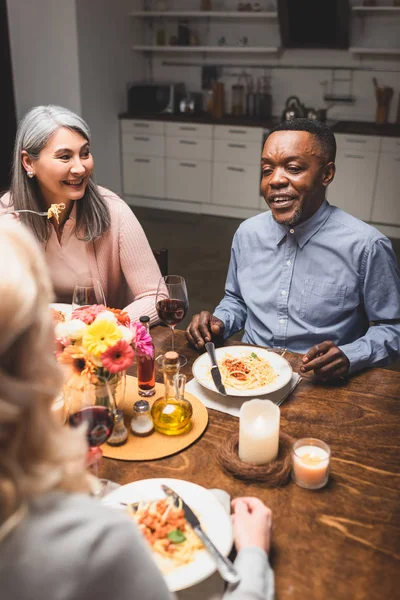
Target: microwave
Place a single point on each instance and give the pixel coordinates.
(154, 98)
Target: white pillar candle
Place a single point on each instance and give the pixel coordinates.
(259, 431)
(310, 460)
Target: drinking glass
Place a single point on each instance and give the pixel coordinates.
(172, 304)
(93, 405)
(87, 291)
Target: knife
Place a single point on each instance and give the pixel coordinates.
(215, 372)
(224, 565)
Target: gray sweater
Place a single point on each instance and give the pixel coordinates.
(70, 547)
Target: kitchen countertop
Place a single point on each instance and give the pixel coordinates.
(352, 127)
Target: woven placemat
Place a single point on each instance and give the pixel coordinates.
(155, 445)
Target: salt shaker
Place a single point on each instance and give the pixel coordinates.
(142, 423)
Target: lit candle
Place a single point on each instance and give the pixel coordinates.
(258, 431)
(310, 461)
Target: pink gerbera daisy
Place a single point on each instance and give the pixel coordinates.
(141, 339)
(118, 358)
(87, 314)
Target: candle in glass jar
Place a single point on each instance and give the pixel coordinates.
(310, 461)
(259, 431)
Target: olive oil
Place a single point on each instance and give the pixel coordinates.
(172, 413)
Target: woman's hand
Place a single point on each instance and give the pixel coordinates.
(252, 523)
(10, 217)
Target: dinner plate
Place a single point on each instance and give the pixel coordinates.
(213, 518)
(65, 308)
(201, 370)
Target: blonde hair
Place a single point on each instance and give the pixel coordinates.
(36, 453)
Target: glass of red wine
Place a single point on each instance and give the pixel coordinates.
(172, 304)
(93, 406)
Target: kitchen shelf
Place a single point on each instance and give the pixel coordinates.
(219, 49)
(381, 51)
(364, 10)
(204, 14)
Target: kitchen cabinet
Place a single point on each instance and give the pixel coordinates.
(143, 164)
(356, 168)
(386, 205)
(188, 161)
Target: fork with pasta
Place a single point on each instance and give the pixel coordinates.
(53, 211)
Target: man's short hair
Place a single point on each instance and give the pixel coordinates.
(324, 135)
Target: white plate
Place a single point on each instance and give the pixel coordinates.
(201, 369)
(213, 518)
(65, 308)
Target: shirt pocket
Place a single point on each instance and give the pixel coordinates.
(322, 302)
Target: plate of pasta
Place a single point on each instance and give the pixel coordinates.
(178, 551)
(245, 370)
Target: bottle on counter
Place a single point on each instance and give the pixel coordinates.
(141, 423)
(146, 366)
(172, 413)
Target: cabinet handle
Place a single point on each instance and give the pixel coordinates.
(188, 142)
(187, 128)
(237, 131)
(356, 141)
(237, 146)
(186, 164)
(354, 155)
(235, 169)
(142, 160)
(143, 125)
(140, 138)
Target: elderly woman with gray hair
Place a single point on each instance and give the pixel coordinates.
(97, 235)
(56, 541)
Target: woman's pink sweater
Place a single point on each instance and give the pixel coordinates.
(123, 261)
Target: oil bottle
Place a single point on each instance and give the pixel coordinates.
(172, 413)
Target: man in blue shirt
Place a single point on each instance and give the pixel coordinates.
(307, 276)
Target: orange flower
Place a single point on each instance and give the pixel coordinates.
(122, 317)
(77, 359)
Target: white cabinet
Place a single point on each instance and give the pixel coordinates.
(143, 151)
(386, 206)
(356, 168)
(236, 172)
(188, 162)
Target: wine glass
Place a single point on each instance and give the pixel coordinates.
(93, 405)
(87, 291)
(172, 304)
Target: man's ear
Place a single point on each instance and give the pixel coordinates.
(328, 174)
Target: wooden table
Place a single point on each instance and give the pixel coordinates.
(341, 542)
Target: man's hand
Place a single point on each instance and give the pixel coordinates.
(202, 328)
(252, 523)
(327, 361)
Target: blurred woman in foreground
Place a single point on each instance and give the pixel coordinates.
(56, 541)
(96, 234)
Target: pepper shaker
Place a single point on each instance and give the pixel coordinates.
(120, 432)
(142, 423)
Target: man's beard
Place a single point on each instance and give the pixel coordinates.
(294, 220)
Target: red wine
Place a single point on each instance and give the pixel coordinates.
(172, 312)
(99, 420)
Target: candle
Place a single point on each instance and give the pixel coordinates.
(58, 409)
(310, 461)
(259, 431)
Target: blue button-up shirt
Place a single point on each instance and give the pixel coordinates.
(333, 277)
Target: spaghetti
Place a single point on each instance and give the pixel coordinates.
(165, 528)
(246, 372)
(55, 210)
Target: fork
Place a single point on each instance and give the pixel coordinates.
(26, 210)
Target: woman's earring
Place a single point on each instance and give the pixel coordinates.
(30, 174)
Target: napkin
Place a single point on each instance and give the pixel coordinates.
(213, 587)
(231, 404)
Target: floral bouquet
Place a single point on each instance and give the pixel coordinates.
(98, 343)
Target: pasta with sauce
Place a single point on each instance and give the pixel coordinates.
(246, 372)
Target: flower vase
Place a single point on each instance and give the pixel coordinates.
(81, 391)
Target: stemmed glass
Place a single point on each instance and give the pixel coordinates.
(87, 291)
(172, 304)
(94, 406)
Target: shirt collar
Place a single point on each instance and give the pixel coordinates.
(305, 230)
